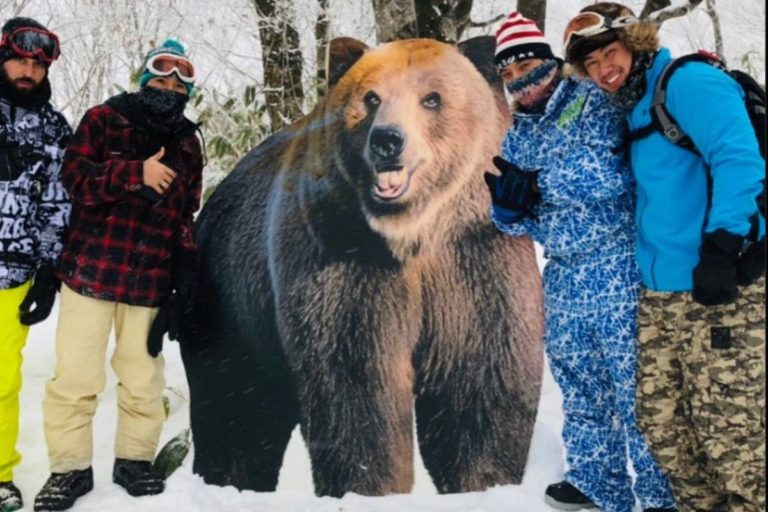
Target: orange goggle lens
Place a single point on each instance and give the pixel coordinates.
(589, 24)
(165, 65)
(585, 24)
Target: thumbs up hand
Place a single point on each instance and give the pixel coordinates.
(157, 175)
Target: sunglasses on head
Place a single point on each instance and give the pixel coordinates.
(588, 24)
(166, 65)
(34, 43)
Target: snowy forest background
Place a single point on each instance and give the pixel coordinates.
(260, 62)
(259, 67)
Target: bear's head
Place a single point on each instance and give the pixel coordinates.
(416, 124)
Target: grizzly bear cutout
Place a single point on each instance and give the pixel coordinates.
(350, 278)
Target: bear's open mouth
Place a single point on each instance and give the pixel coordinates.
(392, 182)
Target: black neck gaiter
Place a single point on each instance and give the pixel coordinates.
(634, 87)
(159, 111)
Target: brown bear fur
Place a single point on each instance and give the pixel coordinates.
(351, 277)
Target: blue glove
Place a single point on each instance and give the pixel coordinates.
(513, 193)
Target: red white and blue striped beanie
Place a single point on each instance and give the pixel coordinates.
(518, 38)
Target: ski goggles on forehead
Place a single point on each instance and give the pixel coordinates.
(35, 43)
(165, 65)
(588, 24)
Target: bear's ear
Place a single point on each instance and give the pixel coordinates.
(480, 51)
(343, 52)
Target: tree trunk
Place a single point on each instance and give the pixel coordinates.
(535, 10)
(282, 60)
(444, 20)
(712, 12)
(322, 33)
(395, 19)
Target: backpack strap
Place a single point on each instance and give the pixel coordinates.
(661, 119)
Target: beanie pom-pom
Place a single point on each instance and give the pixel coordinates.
(174, 44)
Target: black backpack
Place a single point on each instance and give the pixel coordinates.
(663, 121)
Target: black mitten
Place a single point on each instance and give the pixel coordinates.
(514, 192)
(42, 294)
(714, 278)
(166, 321)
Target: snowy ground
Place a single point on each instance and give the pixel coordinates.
(187, 492)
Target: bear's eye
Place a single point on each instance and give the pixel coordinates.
(431, 101)
(371, 100)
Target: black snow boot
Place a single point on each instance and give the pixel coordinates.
(10, 497)
(564, 496)
(61, 490)
(138, 477)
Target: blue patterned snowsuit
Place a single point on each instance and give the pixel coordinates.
(585, 223)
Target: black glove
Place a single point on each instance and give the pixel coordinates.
(166, 321)
(42, 294)
(714, 278)
(185, 277)
(150, 194)
(514, 192)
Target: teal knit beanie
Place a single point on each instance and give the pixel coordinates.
(170, 47)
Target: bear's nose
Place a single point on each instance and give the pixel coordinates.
(386, 142)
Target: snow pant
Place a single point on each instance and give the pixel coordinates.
(13, 335)
(71, 395)
(701, 396)
(590, 339)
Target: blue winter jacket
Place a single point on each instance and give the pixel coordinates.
(587, 193)
(672, 211)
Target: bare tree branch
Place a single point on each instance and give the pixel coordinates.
(711, 10)
(653, 6)
(483, 24)
(663, 15)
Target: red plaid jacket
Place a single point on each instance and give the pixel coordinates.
(120, 245)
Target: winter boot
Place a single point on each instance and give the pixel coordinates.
(10, 497)
(61, 490)
(564, 496)
(138, 477)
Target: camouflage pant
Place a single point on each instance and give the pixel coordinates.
(701, 397)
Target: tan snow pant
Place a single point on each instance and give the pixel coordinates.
(71, 395)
